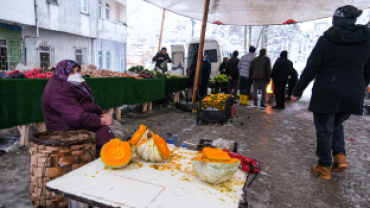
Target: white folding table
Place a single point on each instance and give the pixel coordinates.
(151, 185)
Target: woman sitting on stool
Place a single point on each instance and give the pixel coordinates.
(68, 104)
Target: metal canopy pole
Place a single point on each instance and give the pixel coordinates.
(200, 50)
(160, 36)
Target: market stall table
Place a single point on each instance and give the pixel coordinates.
(142, 184)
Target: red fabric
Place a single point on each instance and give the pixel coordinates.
(218, 23)
(67, 108)
(289, 21)
(245, 162)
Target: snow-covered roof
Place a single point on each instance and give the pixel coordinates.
(257, 12)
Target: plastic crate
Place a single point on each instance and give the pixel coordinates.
(214, 111)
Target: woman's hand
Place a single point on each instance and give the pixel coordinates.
(106, 121)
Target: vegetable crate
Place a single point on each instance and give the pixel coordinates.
(214, 108)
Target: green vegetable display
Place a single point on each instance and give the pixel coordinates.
(219, 78)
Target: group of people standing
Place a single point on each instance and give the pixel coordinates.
(250, 70)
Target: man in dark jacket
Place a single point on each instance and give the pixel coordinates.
(206, 73)
(280, 73)
(160, 57)
(341, 62)
(232, 73)
(259, 72)
(291, 83)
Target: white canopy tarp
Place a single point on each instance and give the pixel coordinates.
(257, 12)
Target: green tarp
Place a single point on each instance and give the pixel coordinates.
(176, 84)
(145, 90)
(20, 99)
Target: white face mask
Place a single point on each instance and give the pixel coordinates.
(76, 79)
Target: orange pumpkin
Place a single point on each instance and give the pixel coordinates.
(154, 149)
(215, 165)
(116, 153)
(140, 134)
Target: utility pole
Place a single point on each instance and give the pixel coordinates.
(192, 27)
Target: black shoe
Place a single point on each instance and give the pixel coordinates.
(263, 106)
(278, 108)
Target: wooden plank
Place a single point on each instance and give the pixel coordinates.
(150, 106)
(118, 113)
(110, 112)
(40, 126)
(145, 107)
(162, 25)
(25, 133)
(200, 51)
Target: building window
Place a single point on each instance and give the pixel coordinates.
(84, 5)
(100, 9)
(108, 60)
(79, 57)
(107, 11)
(44, 56)
(3, 55)
(212, 55)
(100, 60)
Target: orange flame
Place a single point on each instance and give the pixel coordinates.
(269, 88)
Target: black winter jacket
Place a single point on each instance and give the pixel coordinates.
(341, 62)
(222, 67)
(206, 73)
(260, 68)
(281, 70)
(159, 62)
(232, 68)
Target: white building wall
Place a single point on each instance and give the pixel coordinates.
(64, 46)
(68, 17)
(117, 57)
(18, 11)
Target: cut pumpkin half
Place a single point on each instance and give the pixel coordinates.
(116, 153)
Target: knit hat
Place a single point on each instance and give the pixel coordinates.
(346, 15)
(252, 49)
(235, 53)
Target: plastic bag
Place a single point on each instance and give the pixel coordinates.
(22, 67)
(164, 65)
(224, 144)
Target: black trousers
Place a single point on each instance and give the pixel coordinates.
(279, 91)
(330, 135)
(233, 87)
(203, 91)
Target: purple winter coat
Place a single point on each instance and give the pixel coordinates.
(66, 108)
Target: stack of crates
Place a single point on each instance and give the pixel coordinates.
(214, 108)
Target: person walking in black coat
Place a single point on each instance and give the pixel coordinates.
(291, 83)
(259, 72)
(232, 73)
(341, 62)
(280, 73)
(206, 73)
(192, 72)
(160, 57)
